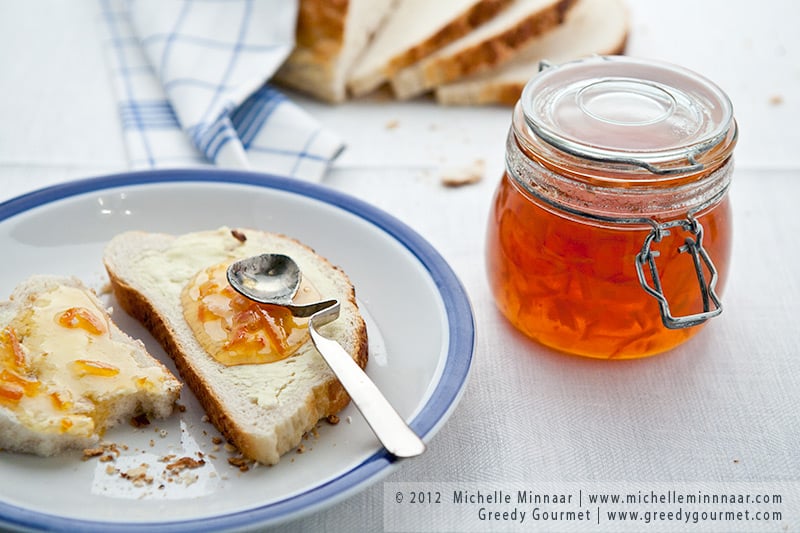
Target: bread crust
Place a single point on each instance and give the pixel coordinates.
(328, 42)
(458, 27)
(319, 38)
(320, 25)
(498, 92)
(505, 85)
(324, 400)
(480, 57)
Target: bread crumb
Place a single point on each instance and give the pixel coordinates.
(180, 407)
(349, 420)
(189, 479)
(392, 124)
(204, 418)
(88, 453)
(301, 449)
(184, 463)
(138, 475)
(776, 99)
(238, 235)
(216, 440)
(106, 452)
(242, 463)
(464, 175)
(332, 419)
(230, 447)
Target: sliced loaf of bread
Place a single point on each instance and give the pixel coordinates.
(591, 27)
(330, 36)
(489, 46)
(263, 408)
(416, 29)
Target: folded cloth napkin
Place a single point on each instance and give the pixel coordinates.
(190, 77)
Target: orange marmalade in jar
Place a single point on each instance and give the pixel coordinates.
(610, 232)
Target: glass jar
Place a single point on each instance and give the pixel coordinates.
(610, 232)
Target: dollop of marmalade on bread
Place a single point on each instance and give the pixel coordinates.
(235, 330)
(60, 369)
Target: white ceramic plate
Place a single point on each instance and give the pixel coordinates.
(419, 322)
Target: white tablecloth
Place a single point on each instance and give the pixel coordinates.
(722, 408)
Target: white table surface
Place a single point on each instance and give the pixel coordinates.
(722, 408)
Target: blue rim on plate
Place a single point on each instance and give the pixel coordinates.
(443, 399)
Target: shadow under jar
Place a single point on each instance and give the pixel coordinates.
(610, 232)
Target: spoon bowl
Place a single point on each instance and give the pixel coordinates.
(266, 278)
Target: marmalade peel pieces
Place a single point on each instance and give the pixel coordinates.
(235, 330)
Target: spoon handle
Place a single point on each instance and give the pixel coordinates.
(388, 426)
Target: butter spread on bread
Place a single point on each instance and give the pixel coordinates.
(67, 373)
(263, 408)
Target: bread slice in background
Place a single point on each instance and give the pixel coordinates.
(488, 46)
(67, 376)
(415, 29)
(263, 409)
(592, 27)
(330, 36)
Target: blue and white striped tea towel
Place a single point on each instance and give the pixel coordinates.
(191, 81)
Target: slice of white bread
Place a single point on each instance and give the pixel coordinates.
(68, 373)
(592, 27)
(415, 29)
(330, 36)
(488, 46)
(263, 409)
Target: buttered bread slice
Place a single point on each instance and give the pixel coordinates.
(252, 366)
(67, 372)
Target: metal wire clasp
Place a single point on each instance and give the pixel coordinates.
(699, 256)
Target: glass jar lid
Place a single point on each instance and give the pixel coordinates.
(628, 111)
